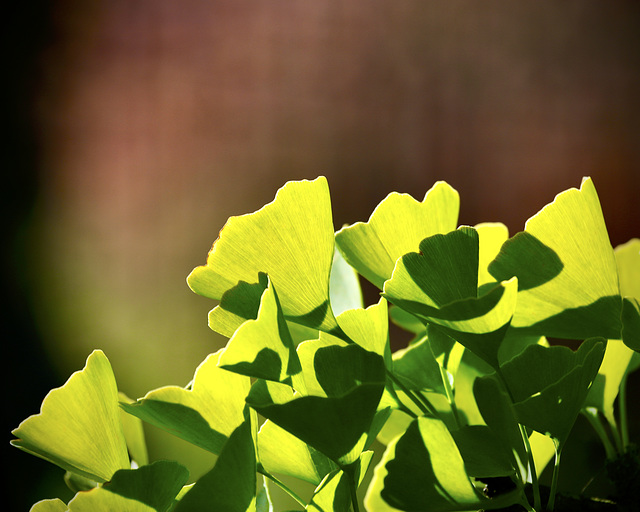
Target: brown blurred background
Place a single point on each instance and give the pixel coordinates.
(137, 128)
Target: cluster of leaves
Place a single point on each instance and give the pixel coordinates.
(308, 388)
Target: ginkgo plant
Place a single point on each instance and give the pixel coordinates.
(465, 417)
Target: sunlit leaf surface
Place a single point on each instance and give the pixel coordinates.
(205, 413)
(396, 227)
(263, 348)
(290, 239)
(566, 270)
(79, 427)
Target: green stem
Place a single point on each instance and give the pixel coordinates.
(353, 485)
(450, 396)
(282, 486)
(591, 414)
(421, 401)
(537, 501)
(554, 480)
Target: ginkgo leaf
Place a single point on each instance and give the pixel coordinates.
(338, 423)
(396, 227)
(368, 327)
(290, 239)
(134, 435)
(205, 413)
(439, 285)
(604, 390)
(500, 416)
(344, 286)
(101, 500)
(51, 505)
(628, 263)
(483, 451)
(263, 348)
(283, 453)
(566, 268)
(334, 492)
(231, 484)
(79, 426)
(491, 235)
(237, 305)
(423, 470)
(418, 368)
(550, 384)
(155, 485)
(631, 323)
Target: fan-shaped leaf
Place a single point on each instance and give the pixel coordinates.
(231, 484)
(79, 426)
(204, 414)
(263, 348)
(292, 240)
(549, 385)
(567, 269)
(396, 227)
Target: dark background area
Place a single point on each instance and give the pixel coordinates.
(136, 128)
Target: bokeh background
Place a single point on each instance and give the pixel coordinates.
(137, 128)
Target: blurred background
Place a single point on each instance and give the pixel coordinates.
(137, 128)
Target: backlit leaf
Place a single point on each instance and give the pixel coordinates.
(231, 484)
(282, 453)
(334, 492)
(549, 385)
(336, 424)
(396, 227)
(263, 348)
(79, 426)
(204, 414)
(566, 268)
(422, 470)
(291, 240)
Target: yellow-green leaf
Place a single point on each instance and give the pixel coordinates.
(204, 413)
(79, 426)
(290, 239)
(573, 292)
(396, 227)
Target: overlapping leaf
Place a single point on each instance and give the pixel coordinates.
(628, 262)
(550, 384)
(79, 426)
(290, 239)
(282, 453)
(334, 492)
(263, 348)
(423, 470)
(151, 488)
(566, 269)
(231, 484)
(440, 286)
(396, 227)
(205, 413)
(337, 423)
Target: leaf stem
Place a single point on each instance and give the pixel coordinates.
(591, 414)
(537, 501)
(282, 485)
(554, 479)
(352, 476)
(421, 401)
(450, 396)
